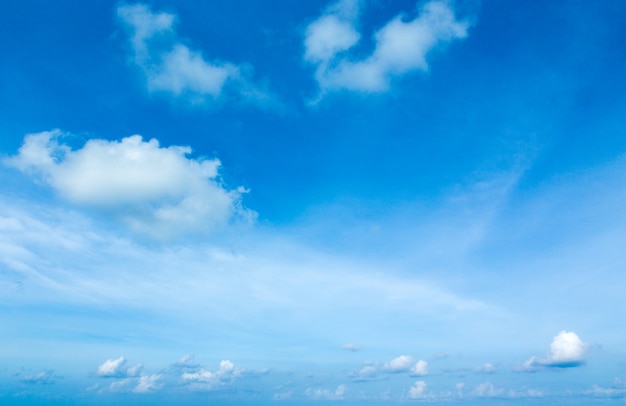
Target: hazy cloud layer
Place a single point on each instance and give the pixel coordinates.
(401, 46)
(154, 190)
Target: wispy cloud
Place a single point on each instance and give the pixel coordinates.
(401, 46)
(172, 67)
(326, 394)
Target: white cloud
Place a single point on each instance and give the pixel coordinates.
(420, 368)
(487, 390)
(487, 368)
(148, 383)
(325, 393)
(400, 46)
(399, 364)
(617, 390)
(113, 368)
(566, 350)
(41, 378)
(367, 373)
(206, 380)
(350, 347)
(459, 389)
(172, 67)
(418, 390)
(155, 190)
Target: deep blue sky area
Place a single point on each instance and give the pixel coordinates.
(349, 202)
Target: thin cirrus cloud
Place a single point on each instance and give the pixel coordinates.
(156, 191)
(172, 67)
(567, 350)
(401, 46)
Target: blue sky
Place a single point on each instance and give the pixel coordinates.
(352, 202)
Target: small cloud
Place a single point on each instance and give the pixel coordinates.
(325, 394)
(420, 368)
(171, 67)
(487, 390)
(418, 390)
(207, 380)
(116, 368)
(567, 350)
(617, 390)
(41, 378)
(283, 395)
(399, 364)
(487, 368)
(148, 383)
(350, 347)
(459, 389)
(439, 356)
(112, 368)
(367, 373)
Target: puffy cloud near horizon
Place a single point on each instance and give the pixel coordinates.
(157, 191)
(401, 363)
(116, 368)
(206, 380)
(148, 383)
(401, 46)
(41, 378)
(326, 394)
(418, 390)
(171, 66)
(567, 350)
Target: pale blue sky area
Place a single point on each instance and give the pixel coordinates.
(353, 202)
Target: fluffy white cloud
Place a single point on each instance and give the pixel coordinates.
(400, 46)
(113, 368)
(170, 66)
(155, 190)
(566, 350)
(420, 368)
(418, 390)
(399, 364)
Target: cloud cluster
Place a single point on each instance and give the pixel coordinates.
(400, 364)
(401, 46)
(185, 372)
(155, 190)
(567, 350)
(203, 379)
(171, 66)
